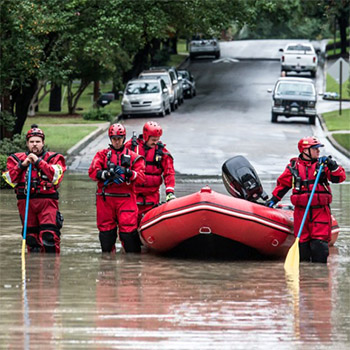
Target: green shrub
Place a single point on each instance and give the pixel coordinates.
(98, 114)
(16, 144)
(7, 120)
(161, 57)
(3, 161)
(7, 147)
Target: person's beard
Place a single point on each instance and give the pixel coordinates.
(36, 150)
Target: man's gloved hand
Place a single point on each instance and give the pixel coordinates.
(103, 175)
(331, 164)
(271, 202)
(170, 196)
(119, 170)
(128, 173)
(323, 160)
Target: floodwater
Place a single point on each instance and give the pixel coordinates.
(85, 300)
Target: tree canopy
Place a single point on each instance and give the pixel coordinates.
(61, 41)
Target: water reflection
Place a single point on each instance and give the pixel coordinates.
(86, 300)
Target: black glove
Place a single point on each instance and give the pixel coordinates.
(128, 173)
(271, 202)
(103, 175)
(331, 164)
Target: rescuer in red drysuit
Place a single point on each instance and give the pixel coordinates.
(159, 166)
(117, 170)
(44, 219)
(300, 175)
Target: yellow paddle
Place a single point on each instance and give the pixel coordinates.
(292, 260)
(26, 211)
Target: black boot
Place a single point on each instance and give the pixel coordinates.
(319, 251)
(305, 251)
(131, 241)
(107, 240)
(49, 242)
(33, 244)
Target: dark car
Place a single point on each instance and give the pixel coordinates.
(188, 83)
(294, 97)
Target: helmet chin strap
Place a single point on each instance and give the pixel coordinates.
(308, 155)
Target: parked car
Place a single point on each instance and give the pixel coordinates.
(299, 58)
(146, 96)
(202, 46)
(188, 83)
(180, 92)
(169, 80)
(294, 97)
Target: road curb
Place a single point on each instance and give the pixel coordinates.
(330, 137)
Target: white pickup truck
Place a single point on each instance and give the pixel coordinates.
(299, 58)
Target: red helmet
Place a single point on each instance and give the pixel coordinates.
(116, 130)
(151, 129)
(308, 142)
(35, 131)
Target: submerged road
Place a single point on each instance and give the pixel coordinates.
(230, 116)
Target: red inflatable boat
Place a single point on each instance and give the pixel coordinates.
(211, 224)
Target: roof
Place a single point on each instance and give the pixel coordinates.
(296, 79)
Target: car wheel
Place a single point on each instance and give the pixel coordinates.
(168, 111)
(172, 105)
(217, 55)
(192, 57)
(312, 120)
(313, 74)
(274, 117)
(194, 93)
(162, 113)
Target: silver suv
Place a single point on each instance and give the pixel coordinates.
(146, 96)
(178, 77)
(294, 97)
(201, 46)
(169, 80)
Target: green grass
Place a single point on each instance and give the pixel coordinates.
(333, 86)
(61, 139)
(85, 103)
(343, 139)
(181, 46)
(57, 119)
(336, 52)
(335, 122)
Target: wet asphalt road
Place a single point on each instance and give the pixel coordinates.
(229, 116)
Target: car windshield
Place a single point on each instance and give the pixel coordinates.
(165, 77)
(298, 48)
(295, 89)
(142, 88)
(184, 74)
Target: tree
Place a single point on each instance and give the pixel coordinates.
(31, 51)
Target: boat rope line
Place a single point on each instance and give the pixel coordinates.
(241, 215)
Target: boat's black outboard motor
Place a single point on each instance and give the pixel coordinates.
(241, 180)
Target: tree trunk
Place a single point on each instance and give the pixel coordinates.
(173, 45)
(343, 23)
(55, 98)
(141, 62)
(96, 90)
(73, 99)
(21, 99)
